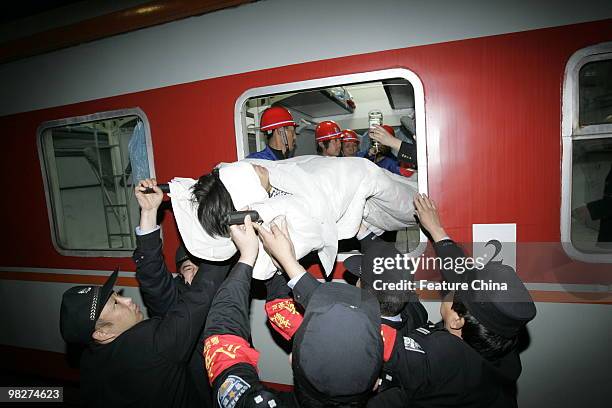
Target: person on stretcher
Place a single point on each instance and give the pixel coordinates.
(325, 198)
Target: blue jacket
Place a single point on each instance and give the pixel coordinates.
(265, 154)
(388, 163)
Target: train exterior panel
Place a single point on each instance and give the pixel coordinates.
(493, 111)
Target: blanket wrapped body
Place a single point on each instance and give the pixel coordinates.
(323, 199)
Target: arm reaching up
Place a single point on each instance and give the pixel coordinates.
(446, 248)
(159, 292)
(425, 208)
(227, 328)
(380, 134)
(149, 203)
(279, 246)
(245, 239)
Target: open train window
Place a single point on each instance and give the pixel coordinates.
(347, 100)
(586, 213)
(89, 165)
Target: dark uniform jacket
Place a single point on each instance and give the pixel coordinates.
(430, 367)
(407, 154)
(414, 314)
(231, 362)
(404, 165)
(148, 365)
(160, 292)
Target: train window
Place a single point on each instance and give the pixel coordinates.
(586, 224)
(347, 100)
(595, 87)
(89, 165)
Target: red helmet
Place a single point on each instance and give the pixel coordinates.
(349, 135)
(389, 129)
(274, 118)
(327, 130)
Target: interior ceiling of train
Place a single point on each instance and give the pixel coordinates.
(348, 105)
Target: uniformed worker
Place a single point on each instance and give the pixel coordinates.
(329, 367)
(406, 151)
(278, 125)
(400, 310)
(328, 138)
(404, 164)
(160, 292)
(186, 264)
(130, 361)
(472, 360)
(350, 143)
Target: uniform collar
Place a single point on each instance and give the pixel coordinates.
(277, 153)
(396, 318)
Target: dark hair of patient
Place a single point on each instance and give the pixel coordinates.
(214, 204)
(490, 345)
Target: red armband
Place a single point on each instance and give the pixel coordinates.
(225, 350)
(388, 334)
(284, 317)
(406, 172)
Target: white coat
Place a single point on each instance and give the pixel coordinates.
(328, 198)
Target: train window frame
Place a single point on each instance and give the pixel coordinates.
(572, 131)
(43, 160)
(419, 108)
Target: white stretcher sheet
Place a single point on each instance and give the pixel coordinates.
(328, 198)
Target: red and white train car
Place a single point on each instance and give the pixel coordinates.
(510, 102)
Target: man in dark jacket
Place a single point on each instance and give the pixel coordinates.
(329, 367)
(131, 362)
(470, 360)
(406, 162)
(400, 310)
(161, 292)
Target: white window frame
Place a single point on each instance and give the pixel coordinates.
(419, 108)
(98, 116)
(570, 131)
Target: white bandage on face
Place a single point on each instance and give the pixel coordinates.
(242, 183)
(196, 240)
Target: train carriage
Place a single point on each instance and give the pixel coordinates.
(509, 103)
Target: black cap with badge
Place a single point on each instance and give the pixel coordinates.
(338, 349)
(81, 307)
(498, 299)
(495, 295)
(180, 256)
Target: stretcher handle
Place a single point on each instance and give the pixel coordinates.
(163, 187)
(237, 217)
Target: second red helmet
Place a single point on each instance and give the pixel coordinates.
(327, 130)
(349, 135)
